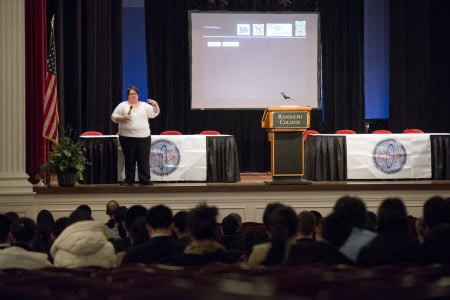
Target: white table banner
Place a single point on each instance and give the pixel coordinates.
(388, 156)
(178, 158)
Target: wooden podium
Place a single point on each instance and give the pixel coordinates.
(285, 127)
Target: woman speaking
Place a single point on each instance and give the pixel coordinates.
(134, 134)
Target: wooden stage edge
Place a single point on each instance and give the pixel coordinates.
(251, 182)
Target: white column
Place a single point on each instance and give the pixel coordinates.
(13, 178)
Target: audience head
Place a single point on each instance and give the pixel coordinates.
(138, 231)
(392, 216)
(13, 216)
(111, 208)
(5, 229)
(60, 225)
(45, 217)
(179, 220)
(230, 225)
(317, 215)
(335, 229)
(44, 223)
(85, 212)
(23, 230)
(351, 209)
(238, 219)
(78, 216)
(306, 223)
(132, 213)
(437, 245)
(436, 211)
(159, 217)
(269, 208)
(420, 229)
(201, 222)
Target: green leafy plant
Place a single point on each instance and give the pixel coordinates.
(68, 156)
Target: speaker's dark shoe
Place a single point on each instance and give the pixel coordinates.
(148, 183)
(126, 183)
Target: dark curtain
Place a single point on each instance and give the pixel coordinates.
(35, 58)
(168, 69)
(419, 66)
(89, 58)
(342, 35)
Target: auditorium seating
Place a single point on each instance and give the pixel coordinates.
(381, 131)
(413, 130)
(219, 281)
(345, 131)
(213, 132)
(171, 132)
(91, 133)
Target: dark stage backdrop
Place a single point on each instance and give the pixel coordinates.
(89, 58)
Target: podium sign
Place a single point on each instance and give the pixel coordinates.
(285, 127)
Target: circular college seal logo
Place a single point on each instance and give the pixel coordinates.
(164, 157)
(389, 156)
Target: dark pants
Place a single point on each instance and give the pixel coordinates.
(136, 150)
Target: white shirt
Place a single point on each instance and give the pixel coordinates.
(138, 126)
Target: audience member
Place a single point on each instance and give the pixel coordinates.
(5, 232)
(111, 208)
(353, 210)
(138, 231)
(119, 216)
(306, 226)
(436, 211)
(77, 216)
(60, 225)
(393, 244)
(13, 216)
(282, 225)
(180, 230)
(43, 239)
(436, 246)
(335, 230)
(85, 212)
(317, 231)
(232, 236)
(84, 243)
(203, 249)
(162, 247)
(371, 221)
(18, 255)
(420, 229)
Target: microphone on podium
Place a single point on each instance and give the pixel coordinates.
(286, 97)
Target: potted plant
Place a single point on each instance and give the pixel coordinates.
(67, 161)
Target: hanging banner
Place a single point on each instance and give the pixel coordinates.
(388, 156)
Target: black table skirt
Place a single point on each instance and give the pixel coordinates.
(101, 153)
(326, 160)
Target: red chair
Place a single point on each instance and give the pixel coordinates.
(413, 130)
(210, 132)
(91, 133)
(308, 132)
(345, 131)
(381, 131)
(171, 132)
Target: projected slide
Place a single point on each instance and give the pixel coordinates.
(246, 60)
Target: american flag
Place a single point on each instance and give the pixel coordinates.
(50, 129)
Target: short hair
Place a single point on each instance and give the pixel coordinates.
(230, 225)
(132, 213)
(85, 212)
(306, 222)
(436, 211)
(13, 216)
(78, 216)
(179, 220)
(23, 230)
(138, 231)
(335, 229)
(318, 216)
(111, 207)
(392, 216)
(270, 208)
(132, 88)
(159, 216)
(201, 222)
(352, 209)
(5, 228)
(238, 218)
(282, 223)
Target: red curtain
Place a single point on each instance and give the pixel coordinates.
(35, 65)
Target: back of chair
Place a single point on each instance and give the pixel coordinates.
(308, 132)
(171, 132)
(91, 133)
(210, 132)
(345, 131)
(382, 131)
(413, 130)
